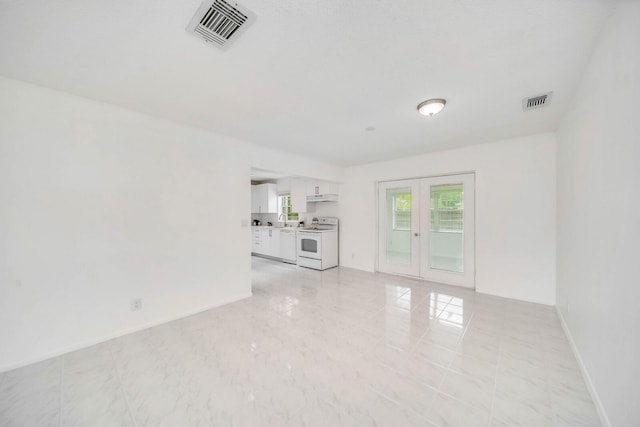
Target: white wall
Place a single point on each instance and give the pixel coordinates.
(99, 205)
(515, 212)
(599, 217)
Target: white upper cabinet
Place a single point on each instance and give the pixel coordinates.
(315, 187)
(264, 198)
(254, 199)
(272, 198)
(303, 187)
(299, 194)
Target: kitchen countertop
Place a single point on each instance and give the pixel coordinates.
(274, 226)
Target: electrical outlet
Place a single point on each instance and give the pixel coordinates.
(568, 308)
(136, 304)
(353, 255)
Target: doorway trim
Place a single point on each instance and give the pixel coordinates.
(378, 221)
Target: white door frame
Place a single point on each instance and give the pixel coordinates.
(423, 270)
(467, 277)
(413, 268)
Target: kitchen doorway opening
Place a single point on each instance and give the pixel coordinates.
(426, 228)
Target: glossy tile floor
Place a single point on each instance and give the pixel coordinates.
(340, 347)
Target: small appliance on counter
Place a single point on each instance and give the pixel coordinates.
(257, 223)
(269, 224)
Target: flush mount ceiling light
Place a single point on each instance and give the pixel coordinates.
(431, 106)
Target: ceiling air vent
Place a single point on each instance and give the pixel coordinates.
(536, 102)
(219, 22)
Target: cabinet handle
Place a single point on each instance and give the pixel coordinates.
(416, 234)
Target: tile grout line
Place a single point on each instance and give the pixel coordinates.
(208, 418)
(406, 407)
(121, 386)
(163, 356)
(495, 383)
(447, 369)
(61, 391)
(463, 374)
(342, 320)
(549, 395)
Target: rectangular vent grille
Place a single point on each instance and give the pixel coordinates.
(218, 22)
(536, 102)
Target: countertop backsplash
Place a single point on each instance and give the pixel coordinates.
(273, 219)
(323, 209)
(264, 218)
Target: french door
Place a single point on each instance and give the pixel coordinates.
(399, 224)
(426, 228)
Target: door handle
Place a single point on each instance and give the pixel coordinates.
(416, 234)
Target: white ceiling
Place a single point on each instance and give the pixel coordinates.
(309, 76)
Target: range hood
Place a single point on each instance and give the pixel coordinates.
(322, 198)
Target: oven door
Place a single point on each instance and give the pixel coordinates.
(309, 244)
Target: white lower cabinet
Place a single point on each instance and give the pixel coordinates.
(273, 236)
(275, 242)
(256, 241)
(266, 241)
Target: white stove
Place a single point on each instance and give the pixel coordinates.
(318, 247)
(316, 230)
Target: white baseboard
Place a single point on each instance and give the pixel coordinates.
(117, 334)
(587, 379)
(551, 302)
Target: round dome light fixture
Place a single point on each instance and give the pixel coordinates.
(431, 106)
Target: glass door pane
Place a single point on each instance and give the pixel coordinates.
(446, 240)
(398, 236)
(447, 218)
(398, 227)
